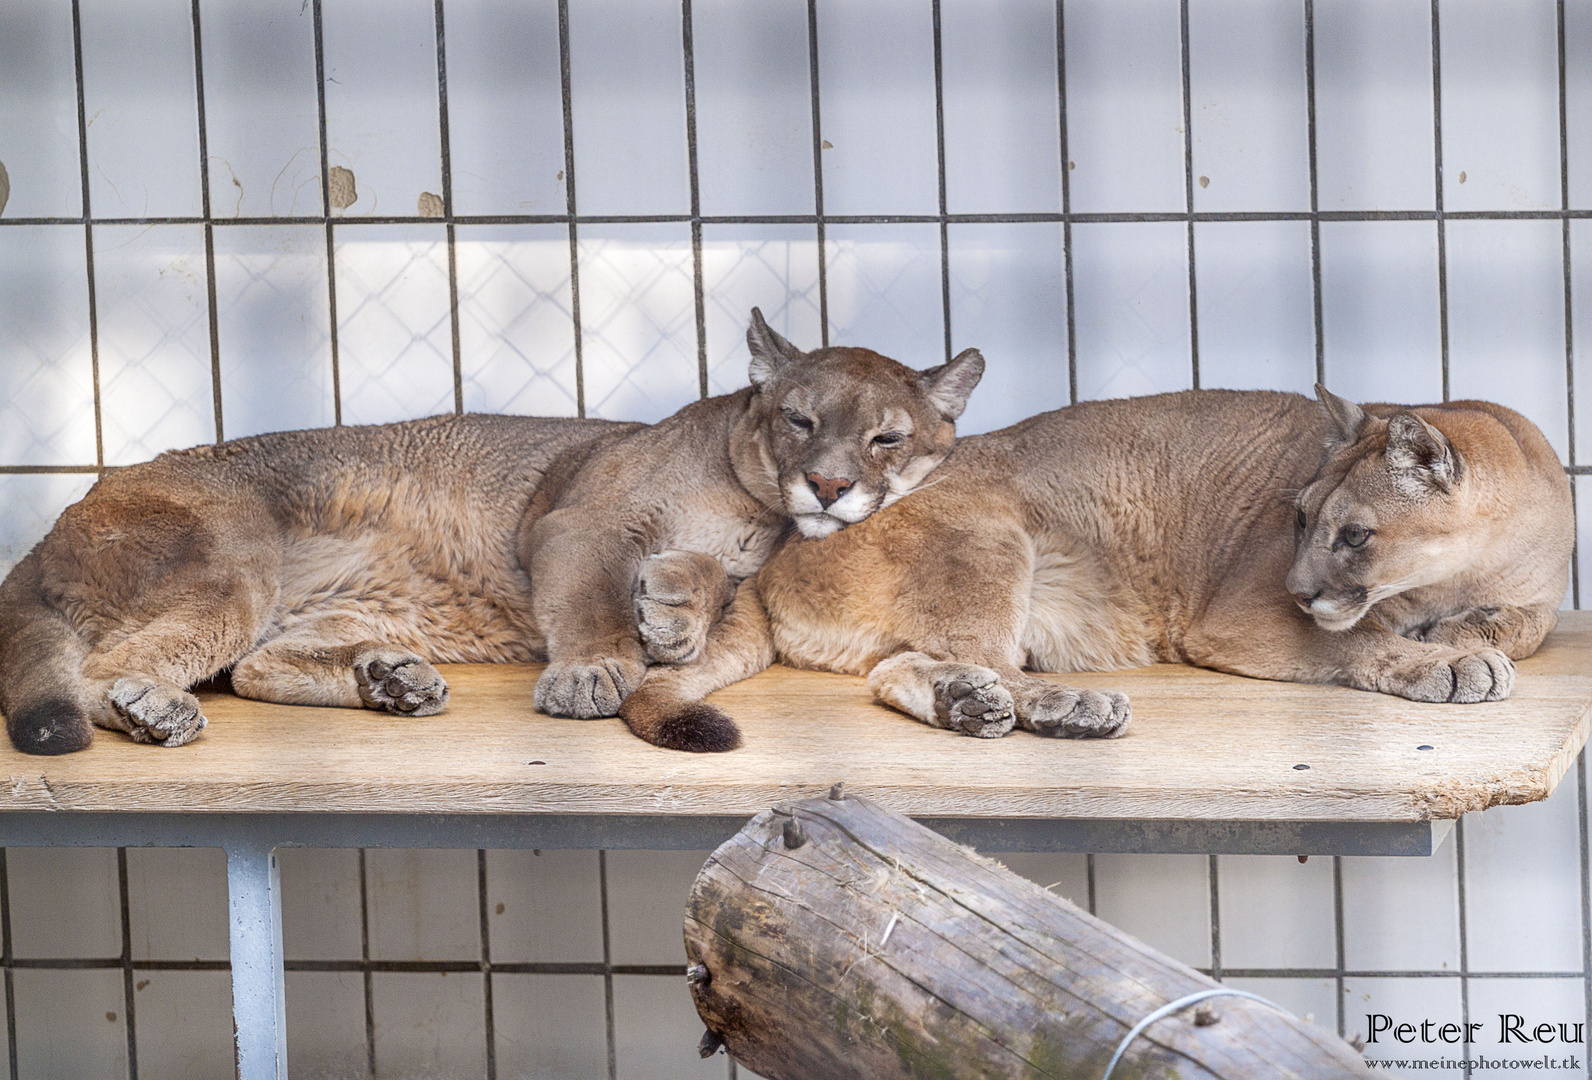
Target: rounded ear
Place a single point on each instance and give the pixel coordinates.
(950, 384)
(1348, 419)
(770, 352)
(1420, 456)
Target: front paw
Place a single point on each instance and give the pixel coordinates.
(156, 712)
(398, 681)
(1079, 714)
(677, 596)
(971, 699)
(1453, 676)
(587, 690)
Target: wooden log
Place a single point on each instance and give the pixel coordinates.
(834, 939)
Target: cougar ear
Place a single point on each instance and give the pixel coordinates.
(950, 384)
(1348, 419)
(1420, 456)
(770, 352)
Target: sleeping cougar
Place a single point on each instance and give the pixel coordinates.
(332, 567)
(1411, 551)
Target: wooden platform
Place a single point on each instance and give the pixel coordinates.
(1202, 747)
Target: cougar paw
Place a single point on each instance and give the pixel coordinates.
(678, 596)
(971, 699)
(156, 712)
(586, 690)
(398, 681)
(1079, 714)
(1458, 677)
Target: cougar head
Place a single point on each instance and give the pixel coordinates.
(832, 435)
(1383, 515)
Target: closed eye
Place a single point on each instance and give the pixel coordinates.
(889, 438)
(800, 422)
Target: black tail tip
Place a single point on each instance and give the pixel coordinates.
(52, 726)
(699, 728)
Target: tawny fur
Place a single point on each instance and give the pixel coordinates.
(335, 567)
(1115, 533)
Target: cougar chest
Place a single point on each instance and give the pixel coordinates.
(740, 536)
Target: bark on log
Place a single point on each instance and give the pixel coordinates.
(834, 939)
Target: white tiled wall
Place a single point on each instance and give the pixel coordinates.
(353, 317)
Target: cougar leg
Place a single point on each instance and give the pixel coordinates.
(944, 693)
(1046, 708)
(139, 683)
(333, 662)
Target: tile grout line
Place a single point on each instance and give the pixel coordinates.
(1315, 191)
(364, 954)
(486, 963)
(1442, 231)
(127, 964)
(445, 145)
(818, 175)
(608, 967)
(88, 234)
(1188, 195)
(688, 52)
(7, 954)
(1066, 215)
(209, 229)
(569, 201)
(326, 215)
(939, 159)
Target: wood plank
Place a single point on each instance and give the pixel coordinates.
(1203, 746)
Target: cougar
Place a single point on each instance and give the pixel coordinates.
(336, 566)
(1409, 551)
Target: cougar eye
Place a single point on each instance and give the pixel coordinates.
(1354, 535)
(800, 422)
(889, 438)
(1299, 516)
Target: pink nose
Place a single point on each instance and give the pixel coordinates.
(826, 489)
(1304, 600)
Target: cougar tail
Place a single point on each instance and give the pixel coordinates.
(40, 659)
(667, 708)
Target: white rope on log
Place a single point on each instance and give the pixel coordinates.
(1182, 1003)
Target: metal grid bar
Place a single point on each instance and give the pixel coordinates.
(326, 214)
(1464, 937)
(688, 49)
(1188, 195)
(567, 98)
(1442, 228)
(939, 170)
(486, 967)
(88, 231)
(1016, 217)
(209, 228)
(125, 962)
(1315, 194)
(818, 174)
(365, 964)
(445, 143)
(1066, 237)
(7, 955)
(608, 966)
